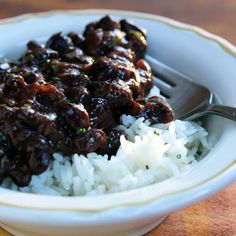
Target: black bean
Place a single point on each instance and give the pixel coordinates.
(59, 42)
(100, 113)
(91, 141)
(112, 143)
(38, 160)
(157, 110)
(19, 172)
(74, 115)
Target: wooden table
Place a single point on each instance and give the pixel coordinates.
(217, 215)
(216, 16)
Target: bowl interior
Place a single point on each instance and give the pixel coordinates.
(196, 55)
(160, 41)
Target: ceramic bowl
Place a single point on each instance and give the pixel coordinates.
(206, 58)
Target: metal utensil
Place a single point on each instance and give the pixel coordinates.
(188, 99)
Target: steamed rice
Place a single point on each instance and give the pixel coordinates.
(150, 154)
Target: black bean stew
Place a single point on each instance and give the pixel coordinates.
(67, 96)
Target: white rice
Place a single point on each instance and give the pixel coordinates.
(150, 154)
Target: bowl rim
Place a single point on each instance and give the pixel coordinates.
(228, 172)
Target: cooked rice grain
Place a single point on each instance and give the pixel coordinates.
(150, 154)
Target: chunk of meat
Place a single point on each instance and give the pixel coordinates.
(77, 39)
(38, 154)
(100, 42)
(157, 110)
(116, 93)
(105, 68)
(90, 141)
(144, 74)
(100, 114)
(105, 23)
(19, 172)
(75, 115)
(37, 54)
(121, 52)
(76, 55)
(136, 37)
(79, 94)
(112, 143)
(59, 42)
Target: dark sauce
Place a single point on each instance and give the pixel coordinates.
(67, 96)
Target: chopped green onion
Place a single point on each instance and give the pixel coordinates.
(199, 152)
(138, 35)
(59, 145)
(71, 102)
(40, 56)
(80, 131)
(26, 106)
(147, 167)
(28, 58)
(56, 79)
(156, 133)
(26, 74)
(114, 42)
(56, 68)
(109, 142)
(142, 102)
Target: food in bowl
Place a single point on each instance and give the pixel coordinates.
(80, 116)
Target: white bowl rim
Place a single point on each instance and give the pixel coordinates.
(228, 173)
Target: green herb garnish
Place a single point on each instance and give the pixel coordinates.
(56, 79)
(59, 145)
(56, 69)
(156, 133)
(71, 102)
(109, 142)
(178, 156)
(147, 167)
(138, 35)
(80, 131)
(26, 106)
(142, 101)
(26, 74)
(114, 42)
(200, 152)
(28, 58)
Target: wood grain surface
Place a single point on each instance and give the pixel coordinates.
(216, 16)
(217, 215)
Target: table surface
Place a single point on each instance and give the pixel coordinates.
(216, 16)
(216, 215)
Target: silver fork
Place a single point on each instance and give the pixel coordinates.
(188, 99)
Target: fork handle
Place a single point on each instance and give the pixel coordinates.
(220, 110)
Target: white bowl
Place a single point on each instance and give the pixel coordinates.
(205, 58)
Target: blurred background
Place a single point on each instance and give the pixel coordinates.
(216, 16)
